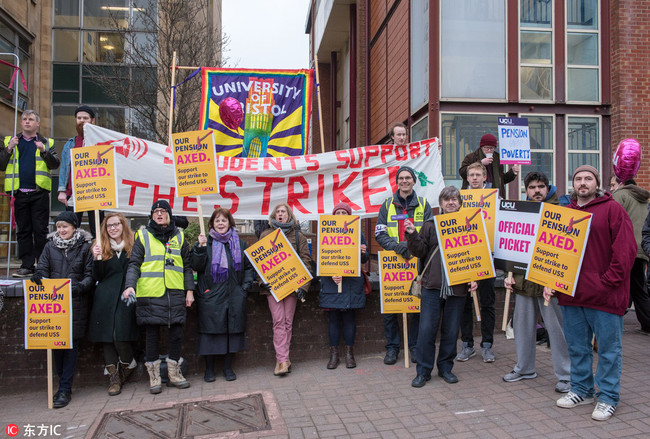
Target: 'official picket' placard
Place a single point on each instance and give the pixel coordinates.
(515, 232)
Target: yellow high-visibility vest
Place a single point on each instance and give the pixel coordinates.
(12, 176)
(157, 273)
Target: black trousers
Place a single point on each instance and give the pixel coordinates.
(486, 299)
(32, 211)
(639, 294)
(152, 342)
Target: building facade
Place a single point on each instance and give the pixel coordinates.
(576, 69)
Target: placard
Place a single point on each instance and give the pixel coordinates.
(464, 246)
(514, 141)
(559, 248)
(339, 239)
(487, 200)
(278, 264)
(395, 277)
(48, 314)
(514, 236)
(195, 163)
(94, 180)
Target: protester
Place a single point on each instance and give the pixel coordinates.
(225, 273)
(529, 304)
(488, 157)
(600, 298)
(160, 272)
(634, 200)
(477, 178)
(341, 306)
(83, 115)
(112, 322)
(440, 303)
(67, 256)
(389, 233)
(283, 311)
(31, 183)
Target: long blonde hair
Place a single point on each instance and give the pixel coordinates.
(127, 236)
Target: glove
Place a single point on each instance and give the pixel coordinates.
(36, 278)
(129, 300)
(301, 294)
(403, 250)
(265, 287)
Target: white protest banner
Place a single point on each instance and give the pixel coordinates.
(514, 141)
(514, 236)
(250, 187)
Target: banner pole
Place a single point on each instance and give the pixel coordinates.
(477, 310)
(407, 360)
(171, 100)
(98, 235)
(50, 390)
(506, 307)
(320, 106)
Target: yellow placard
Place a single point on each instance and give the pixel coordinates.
(278, 264)
(339, 237)
(395, 277)
(94, 180)
(559, 248)
(464, 246)
(486, 199)
(48, 314)
(195, 163)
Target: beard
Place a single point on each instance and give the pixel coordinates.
(80, 129)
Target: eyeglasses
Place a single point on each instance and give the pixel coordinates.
(113, 226)
(159, 211)
(489, 148)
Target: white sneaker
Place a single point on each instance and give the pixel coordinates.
(571, 400)
(603, 411)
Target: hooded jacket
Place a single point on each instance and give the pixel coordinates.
(635, 202)
(604, 281)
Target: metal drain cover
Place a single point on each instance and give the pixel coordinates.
(188, 420)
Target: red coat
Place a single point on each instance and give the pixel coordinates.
(604, 282)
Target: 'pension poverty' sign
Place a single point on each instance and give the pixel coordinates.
(514, 140)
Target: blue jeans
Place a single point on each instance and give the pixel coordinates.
(392, 332)
(433, 310)
(65, 363)
(580, 324)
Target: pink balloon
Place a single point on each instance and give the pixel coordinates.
(627, 159)
(231, 113)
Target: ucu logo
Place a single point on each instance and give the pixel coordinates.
(207, 189)
(561, 285)
(347, 271)
(413, 308)
(106, 203)
(59, 343)
(505, 121)
(482, 273)
(301, 281)
(510, 205)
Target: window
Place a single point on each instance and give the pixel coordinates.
(583, 144)
(419, 54)
(542, 153)
(12, 42)
(420, 129)
(535, 50)
(582, 51)
(461, 134)
(473, 49)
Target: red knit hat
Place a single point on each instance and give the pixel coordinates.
(344, 206)
(488, 140)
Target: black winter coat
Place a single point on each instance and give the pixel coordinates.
(168, 309)
(110, 318)
(76, 264)
(221, 306)
(352, 295)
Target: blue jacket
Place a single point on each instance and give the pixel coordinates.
(64, 171)
(352, 295)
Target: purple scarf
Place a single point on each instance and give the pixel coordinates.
(219, 268)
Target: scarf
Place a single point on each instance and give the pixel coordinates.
(66, 244)
(445, 289)
(162, 234)
(219, 267)
(285, 227)
(117, 248)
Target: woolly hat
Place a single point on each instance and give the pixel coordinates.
(87, 109)
(68, 217)
(488, 140)
(344, 206)
(162, 204)
(406, 168)
(588, 169)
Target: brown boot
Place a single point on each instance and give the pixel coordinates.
(114, 383)
(350, 363)
(126, 369)
(176, 377)
(334, 357)
(153, 367)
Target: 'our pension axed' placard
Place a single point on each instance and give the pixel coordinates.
(94, 180)
(48, 314)
(339, 237)
(195, 163)
(559, 248)
(464, 246)
(395, 277)
(514, 140)
(278, 264)
(487, 200)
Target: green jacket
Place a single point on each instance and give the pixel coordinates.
(635, 202)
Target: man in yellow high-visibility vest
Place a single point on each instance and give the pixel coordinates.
(27, 160)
